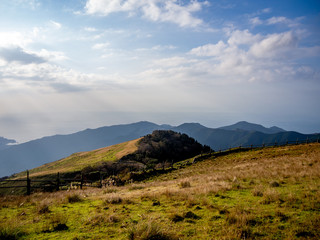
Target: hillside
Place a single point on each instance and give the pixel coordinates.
(162, 148)
(31, 154)
(79, 161)
(270, 193)
(45, 150)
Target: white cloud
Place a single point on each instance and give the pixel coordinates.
(13, 39)
(266, 10)
(55, 24)
(90, 29)
(154, 10)
(209, 49)
(52, 55)
(242, 37)
(255, 21)
(99, 46)
(275, 45)
(275, 20)
(171, 62)
(251, 57)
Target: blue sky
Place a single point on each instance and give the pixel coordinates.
(70, 65)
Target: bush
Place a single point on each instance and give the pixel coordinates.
(185, 184)
(274, 184)
(150, 230)
(114, 199)
(56, 222)
(43, 208)
(74, 198)
(176, 218)
(191, 215)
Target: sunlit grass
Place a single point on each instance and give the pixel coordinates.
(272, 193)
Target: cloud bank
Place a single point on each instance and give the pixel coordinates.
(153, 10)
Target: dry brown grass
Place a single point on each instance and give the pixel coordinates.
(287, 164)
(205, 184)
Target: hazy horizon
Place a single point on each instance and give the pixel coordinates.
(70, 65)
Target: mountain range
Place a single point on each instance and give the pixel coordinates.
(16, 158)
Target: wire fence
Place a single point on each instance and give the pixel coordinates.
(80, 181)
(56, 184)
(273, 144)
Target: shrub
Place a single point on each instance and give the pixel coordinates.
(176, 218)
(43, 208)
(114, 199)
(96, 220)
(57, 222)
(74, 198)
(257, 191)
(150, 230)
(274, 184)
(191, 215)
(270, 196)
(185, 184)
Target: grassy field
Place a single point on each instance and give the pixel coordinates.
(78, 161)
(271, 193)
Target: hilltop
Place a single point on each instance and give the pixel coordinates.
(270, 193)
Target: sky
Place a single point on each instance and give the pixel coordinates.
(70, 65)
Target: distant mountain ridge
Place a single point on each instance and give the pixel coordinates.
(34, 153)
(4, 143)
(243, 125)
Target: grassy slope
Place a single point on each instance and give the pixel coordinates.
(78, 161)
(272, 193)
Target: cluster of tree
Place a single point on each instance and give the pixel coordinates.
(165, 147)
(158, 150)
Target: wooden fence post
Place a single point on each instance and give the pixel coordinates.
(58, 182)
(28, 184)
(81, 183)
(100, 176)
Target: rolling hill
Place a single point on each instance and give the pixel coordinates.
(159, 149)
(270, 193)
(78, 161)
(34, 153)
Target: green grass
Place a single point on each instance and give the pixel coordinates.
(227, 197)
(78, 161)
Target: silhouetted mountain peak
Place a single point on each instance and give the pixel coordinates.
(252, 127)
(190, 126)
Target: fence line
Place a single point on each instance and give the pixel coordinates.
(82, 181)
(49, 183)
